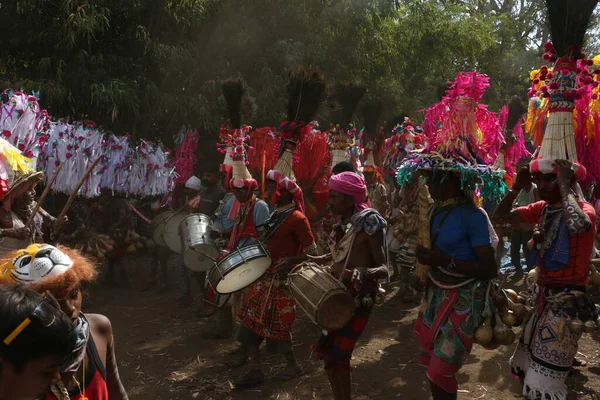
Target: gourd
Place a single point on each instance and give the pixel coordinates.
(501, 331)
(509, 318)
(576, 326)
(484, 334)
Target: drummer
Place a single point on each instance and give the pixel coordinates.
(158, 277)
(206, 202)
(243, 216)
(268, 311)
(358, 252)
(191, 192)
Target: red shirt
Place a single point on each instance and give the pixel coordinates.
(580, 245)
(291, 237)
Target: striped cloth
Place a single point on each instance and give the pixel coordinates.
(406, 257)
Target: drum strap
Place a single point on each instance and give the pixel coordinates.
(347, 255)
(275, 221)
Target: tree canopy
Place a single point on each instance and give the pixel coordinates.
(149, 66)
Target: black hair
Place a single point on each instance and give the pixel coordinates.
(343, 166)
(35, 341)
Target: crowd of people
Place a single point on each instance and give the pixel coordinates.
(426, 208)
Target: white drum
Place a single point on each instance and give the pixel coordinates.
(170, 233)
(199, 249)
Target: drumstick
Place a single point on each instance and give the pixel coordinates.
(45, 194)
(76, 189)
(205, 255)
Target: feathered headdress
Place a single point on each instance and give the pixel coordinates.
(564, 82)
(306, 92)
(467, 137)
(342, 133)
(234, 137)
(371, 113)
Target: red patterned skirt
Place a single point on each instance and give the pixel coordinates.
(267, 311)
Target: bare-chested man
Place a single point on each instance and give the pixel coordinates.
(359, 257)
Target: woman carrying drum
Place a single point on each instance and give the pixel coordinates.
(268, 311)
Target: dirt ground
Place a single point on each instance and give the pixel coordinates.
(161, 354)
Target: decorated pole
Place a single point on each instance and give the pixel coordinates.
(45, 194)
(87, 172)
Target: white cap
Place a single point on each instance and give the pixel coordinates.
(193, 183)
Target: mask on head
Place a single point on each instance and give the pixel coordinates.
(36, 262)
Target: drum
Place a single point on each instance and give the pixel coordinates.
(321, 296)
(170, 233)
(239, 269)
(214, 298)
(196, 243)
(158, 226)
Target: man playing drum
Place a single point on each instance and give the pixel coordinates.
(191, 192)
(359, 259)
(210, 193)
(244, 216)
(268, 311)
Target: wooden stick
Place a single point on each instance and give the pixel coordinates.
(45, 194)
(263, 166)
(77, 187)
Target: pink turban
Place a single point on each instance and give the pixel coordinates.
(352, 185)
(283, 182)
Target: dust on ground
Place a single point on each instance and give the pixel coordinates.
(162, 356)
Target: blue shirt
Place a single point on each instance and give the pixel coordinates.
(464, 228)
(261, 214)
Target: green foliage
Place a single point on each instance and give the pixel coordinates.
(149, 66)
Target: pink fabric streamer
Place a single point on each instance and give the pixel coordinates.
(352, 185)
(587, 143)
(185, 154)
(517, 151)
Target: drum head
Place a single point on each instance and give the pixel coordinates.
(170, 233)
(335, 310)
(243, 275)
(195, 260)
(158, 226)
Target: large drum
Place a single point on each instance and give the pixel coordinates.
(239, 269)
(170, 233)
(158, 226)
(321, 296)
(199, 249)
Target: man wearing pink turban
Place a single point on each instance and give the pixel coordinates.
(351, 184)
(359, 255)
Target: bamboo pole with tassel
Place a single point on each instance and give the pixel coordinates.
(45, 194)
(77, 187)
(424, 233)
